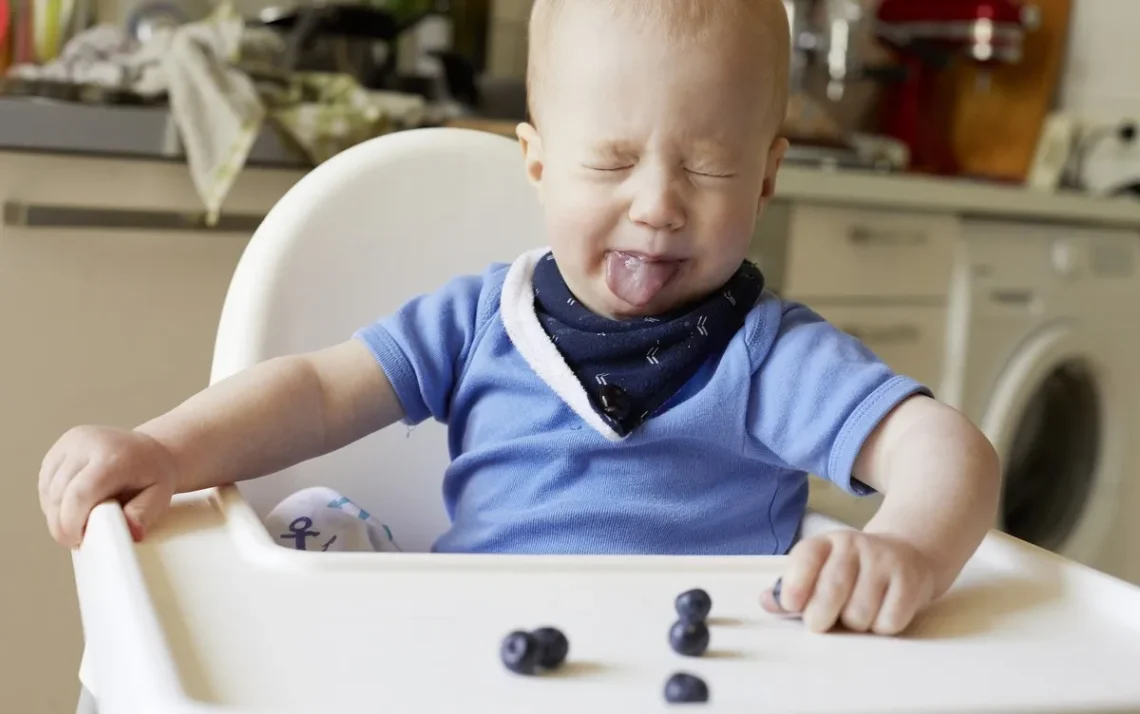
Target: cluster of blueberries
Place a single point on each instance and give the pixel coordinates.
(547, 647)
(689, 636)
(529, 652)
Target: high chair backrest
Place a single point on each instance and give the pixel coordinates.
(353, 240)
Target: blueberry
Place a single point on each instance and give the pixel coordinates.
(689, 638)
(684, 688)
(552, 647)
(693, 605)
(520, 652)
(776, 592)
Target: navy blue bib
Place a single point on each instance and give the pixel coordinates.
(630, 368)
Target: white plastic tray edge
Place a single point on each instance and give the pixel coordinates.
(117, 614)
(117, 611)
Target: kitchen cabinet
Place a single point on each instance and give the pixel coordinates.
(110, 292)
(909, 338)
(882, 276)
(851, 254)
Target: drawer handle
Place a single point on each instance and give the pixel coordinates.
(862, 235)
(1018, 298)
(891, 334)
(38, 215)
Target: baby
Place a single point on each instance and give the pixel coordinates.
(632, 390)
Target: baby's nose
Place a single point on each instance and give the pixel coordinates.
(657, 205)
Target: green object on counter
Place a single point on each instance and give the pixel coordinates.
(324, 114)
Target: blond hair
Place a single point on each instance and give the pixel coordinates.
(680, 21)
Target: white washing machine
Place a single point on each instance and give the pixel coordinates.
(1043, 354)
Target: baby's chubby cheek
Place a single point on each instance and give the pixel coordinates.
(580, 233)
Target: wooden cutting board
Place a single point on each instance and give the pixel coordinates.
(996, 122)
(502, 127)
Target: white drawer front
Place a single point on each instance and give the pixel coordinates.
(909, 339)
(842, 252)
(31, 179)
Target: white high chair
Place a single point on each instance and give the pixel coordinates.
(208, 614)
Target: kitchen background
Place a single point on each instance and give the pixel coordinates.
(964, 195)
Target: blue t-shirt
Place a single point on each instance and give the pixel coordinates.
(720, 469)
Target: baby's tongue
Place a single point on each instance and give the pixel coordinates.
(636, 280)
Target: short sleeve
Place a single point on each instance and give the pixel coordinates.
(423, 346)
(817, 395)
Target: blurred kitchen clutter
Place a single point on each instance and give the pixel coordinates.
(225, 77)
(937, 74)
(970, 88)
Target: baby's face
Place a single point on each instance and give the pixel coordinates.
(653, 159)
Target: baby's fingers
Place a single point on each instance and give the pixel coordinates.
(900, 605)
(82, 494)
(867, 598)
(833, 587)
(144, 509)
(805, 561)
(48, 469)
(51, 495)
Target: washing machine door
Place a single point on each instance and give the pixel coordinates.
(1051, 418)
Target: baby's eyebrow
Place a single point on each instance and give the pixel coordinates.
(615, 147)
(711, 148)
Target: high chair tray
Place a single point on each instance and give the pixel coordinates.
(209, 615)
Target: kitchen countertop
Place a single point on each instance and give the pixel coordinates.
(148, 133)
(967, 198)
(132, 132)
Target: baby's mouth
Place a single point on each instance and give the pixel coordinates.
(637, 279)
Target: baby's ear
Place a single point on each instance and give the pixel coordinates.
(531, 144)
(776, 154)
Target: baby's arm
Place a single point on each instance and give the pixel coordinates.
(825, 404)
(277, 414)
(271, 416)
(940, 479)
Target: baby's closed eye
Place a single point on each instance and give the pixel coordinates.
(608, 165)
(710, 171)
(615, 165)
(610, 156)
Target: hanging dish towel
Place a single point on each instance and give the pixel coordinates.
(215, 105)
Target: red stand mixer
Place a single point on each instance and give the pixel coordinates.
(928, 35)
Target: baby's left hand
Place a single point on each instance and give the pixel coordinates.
(868, 582)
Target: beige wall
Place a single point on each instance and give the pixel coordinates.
(1100, 74)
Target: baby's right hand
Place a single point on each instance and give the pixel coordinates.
(91, 464)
